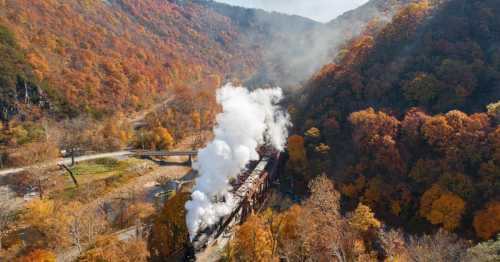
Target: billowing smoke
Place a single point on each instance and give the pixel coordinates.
(248, 120)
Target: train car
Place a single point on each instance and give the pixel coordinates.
(243, 191)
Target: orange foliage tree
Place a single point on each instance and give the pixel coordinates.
(296, 149)
(169, 234)
(442, 207)
(375, 134)
(487, 221)
(157, 139)
(297, 165)
(38, 255)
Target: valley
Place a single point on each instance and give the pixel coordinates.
(192, 130)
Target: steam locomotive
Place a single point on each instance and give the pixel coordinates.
(245, 186)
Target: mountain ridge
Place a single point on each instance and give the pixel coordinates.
(98, 57)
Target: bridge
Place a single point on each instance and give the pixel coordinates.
(89, 157)
(250, 195)
(164, 153)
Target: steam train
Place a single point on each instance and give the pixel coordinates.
(249, 185)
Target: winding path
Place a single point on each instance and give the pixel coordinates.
(67, 161)
(124, 153)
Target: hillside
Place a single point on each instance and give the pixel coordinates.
(355, 20)
(406, 122)
(97, 57)
(416, 61)
(100, 57)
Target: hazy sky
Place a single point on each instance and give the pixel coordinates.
(320, 10)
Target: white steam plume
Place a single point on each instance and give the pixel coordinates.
(248, 120)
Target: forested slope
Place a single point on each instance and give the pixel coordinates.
(438, 59)
(405, 122)
(15, 74)
(96, 57)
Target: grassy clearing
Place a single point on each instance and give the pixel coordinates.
(102, 169)
(96, 170)
(98, 177)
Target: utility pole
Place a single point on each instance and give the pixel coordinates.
(72, 152)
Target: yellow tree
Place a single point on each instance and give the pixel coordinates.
(291, 237)
(493, 110)
(169, 233)
(313, 132)
(322, 149)
(274, 222)
(370, 126)
(38, 212)
(159, 138)
(324, 198)
(363, 219)
(254, 241)
(45, 217)
(84, 224)
(487, 221)
(110, 248)
(198, 132)
(112, 136)
(163, 139)
(289, 229)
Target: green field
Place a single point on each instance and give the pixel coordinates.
(100, 176)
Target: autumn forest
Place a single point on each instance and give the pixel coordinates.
(392, 154)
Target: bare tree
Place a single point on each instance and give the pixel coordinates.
(394, 245)
(488, 251)
(75, 232)
(3, 225)
(35, 156)
(6, 217)
(323, 234)
(74, 136)
(440, 247)
(85, 225)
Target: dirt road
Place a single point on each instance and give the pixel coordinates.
(67, 161)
